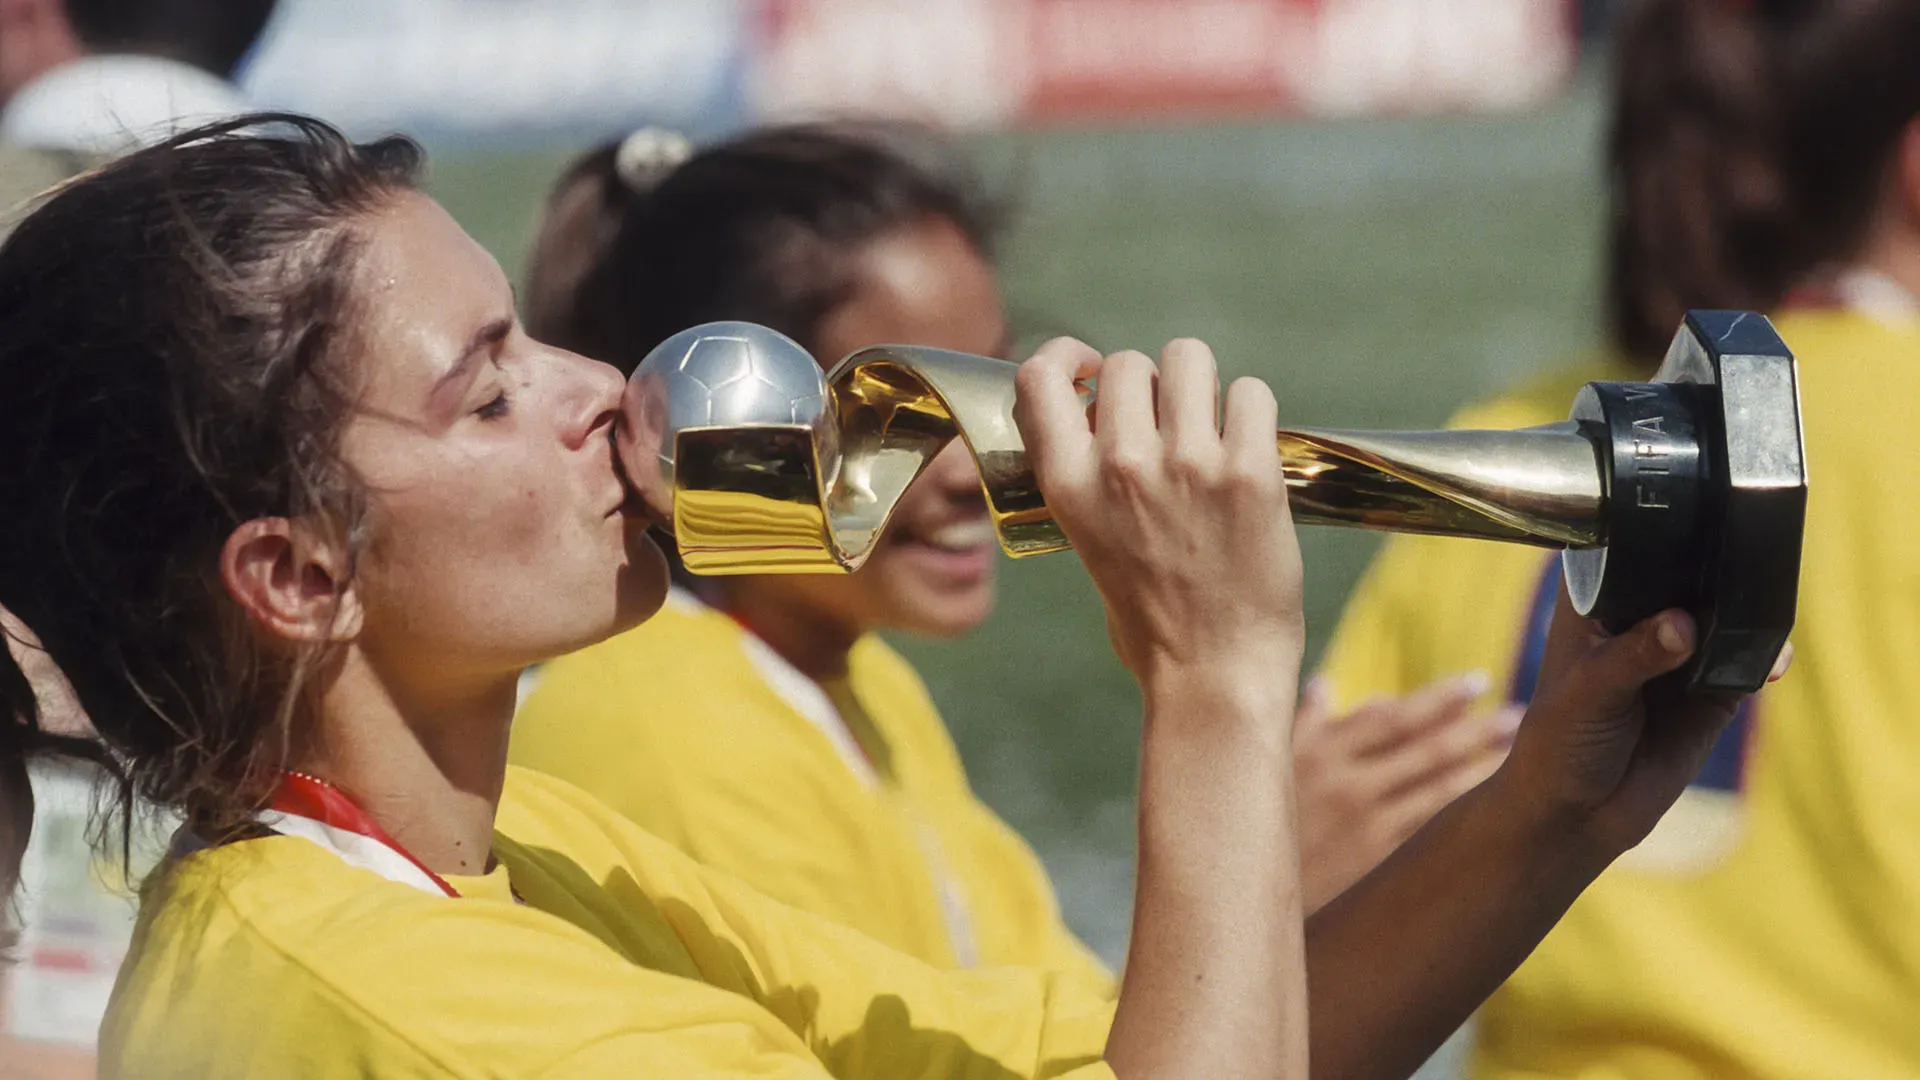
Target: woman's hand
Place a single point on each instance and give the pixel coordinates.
(1399, 960)
(1604, 747)
(1182, 521)
(1368, 778)
(1183, 524)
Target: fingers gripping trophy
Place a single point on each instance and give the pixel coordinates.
(1685, 491)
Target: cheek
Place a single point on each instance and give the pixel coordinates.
(439, 544)
(505, 521)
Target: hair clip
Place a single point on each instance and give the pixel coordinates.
(649, 154)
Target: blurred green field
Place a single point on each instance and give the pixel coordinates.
(1379, 273)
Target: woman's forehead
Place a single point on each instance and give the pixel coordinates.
(925, 284)
(425, 288)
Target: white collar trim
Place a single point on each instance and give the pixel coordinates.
(799, 692)
(1878, 296)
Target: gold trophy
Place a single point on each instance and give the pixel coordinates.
(1689, 490)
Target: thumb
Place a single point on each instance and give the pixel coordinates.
(1618, 667)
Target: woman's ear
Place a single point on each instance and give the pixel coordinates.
(290, 581)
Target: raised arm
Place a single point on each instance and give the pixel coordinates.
(1183, 526)
(1401, 959)
(1182, 523)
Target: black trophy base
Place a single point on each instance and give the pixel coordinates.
(1706, 497)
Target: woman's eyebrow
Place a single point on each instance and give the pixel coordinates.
(476, 349)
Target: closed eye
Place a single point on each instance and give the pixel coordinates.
(495, 408)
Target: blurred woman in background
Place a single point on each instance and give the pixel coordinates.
(786, 743)
(1763, 155)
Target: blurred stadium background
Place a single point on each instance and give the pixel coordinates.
(1385, 207)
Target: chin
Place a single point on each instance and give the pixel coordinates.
(642, 587)
(945, 616)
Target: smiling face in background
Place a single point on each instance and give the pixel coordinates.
(933, 570)
(496, 537)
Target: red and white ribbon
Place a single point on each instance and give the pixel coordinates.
(315, 810)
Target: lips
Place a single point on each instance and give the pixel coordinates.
(624, 499)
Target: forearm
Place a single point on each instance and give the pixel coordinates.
(1215, 979)
(1399, 961)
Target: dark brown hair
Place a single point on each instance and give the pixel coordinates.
(171, 368)
(765, 227)
(1748, 143)
(213, 35)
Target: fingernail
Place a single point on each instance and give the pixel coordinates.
(1475, 683)
(1508, 719)
(1670, 634)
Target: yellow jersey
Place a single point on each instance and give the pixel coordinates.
(848, 801)
(590, 950)
(1766, 928)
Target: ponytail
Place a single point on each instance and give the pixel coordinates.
(643, 237)
(583, 218)
(29, 682)
(576, 229)
(1700, 211)
(19, 718)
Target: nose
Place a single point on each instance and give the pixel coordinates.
(592, 401)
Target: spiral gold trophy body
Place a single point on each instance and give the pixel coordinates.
(1688, 491)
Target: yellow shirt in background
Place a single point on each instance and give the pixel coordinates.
(848, 801)
(1770, 926)
(275, 958)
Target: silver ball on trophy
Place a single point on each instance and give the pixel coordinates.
(736, 377)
